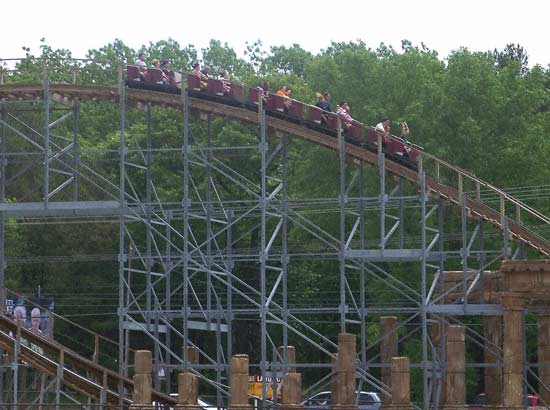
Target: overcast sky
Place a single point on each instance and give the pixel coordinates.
(443, 25)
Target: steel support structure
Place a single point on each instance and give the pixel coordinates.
(219, 260)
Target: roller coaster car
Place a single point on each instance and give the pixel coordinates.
(253, 99)
(315, 115)
(276, 103)
(154, 76)
(396, 148)
(230, 93)
(152, 79)
(215, 87)
(285, 108)
(133, 74)
(356, 133)
(193, 83)
(174, 79)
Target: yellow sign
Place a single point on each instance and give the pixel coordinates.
(255, 385)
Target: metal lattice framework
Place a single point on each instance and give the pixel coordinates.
(233, 242)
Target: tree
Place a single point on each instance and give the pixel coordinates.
(512, 55)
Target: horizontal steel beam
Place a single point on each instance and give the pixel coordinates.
(393, 255)
(192, 324)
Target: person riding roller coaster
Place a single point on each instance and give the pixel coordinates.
(343, 112)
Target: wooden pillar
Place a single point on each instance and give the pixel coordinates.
(239, 383)
(345, 373)
(143, 366)
(401, 382)
(388, 349)
(493, 375)
(455, 381)
(292, 392)
(514, 307)
(188, 391)
(292, 382)
(192, 355)
(291, 357)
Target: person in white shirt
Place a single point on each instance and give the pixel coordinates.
(36, 317)
(384, 126)
(141, 60)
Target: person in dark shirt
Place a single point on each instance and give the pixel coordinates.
(326, 102)
(323, 101)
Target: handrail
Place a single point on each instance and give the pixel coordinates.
(97, 337)
(489, 186)
(51, 350)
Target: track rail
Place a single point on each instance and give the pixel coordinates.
(77, 372)
(66, 93)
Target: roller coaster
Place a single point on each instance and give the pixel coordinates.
(141, 309)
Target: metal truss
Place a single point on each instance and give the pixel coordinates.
(230, 245)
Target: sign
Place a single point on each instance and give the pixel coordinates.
(255, 385)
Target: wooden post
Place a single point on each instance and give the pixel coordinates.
(388, 349)
(143, 366)
(514, 308)
(239, 383)
(344, 396)
(292, 392)
(291, 357)
(455, 381)
(401, 396)
(188, 391)
(192, 355)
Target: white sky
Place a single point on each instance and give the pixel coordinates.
(443, 25)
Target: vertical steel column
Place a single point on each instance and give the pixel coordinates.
(362, 300)
(263, 256)
(185, 202)
(464, 252)
(127, 330)
(342, 208)
(2, 216)
(441, 366)
(168, 290)
(208, 222)
(122, 259)
(401, 215)
(383, 198)
(76, 154)
(209, 263)
(229, 313)
(148, 257)
(482, 258)
(148, 230)
(46, 141)
(284, 251)
(424, 317)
